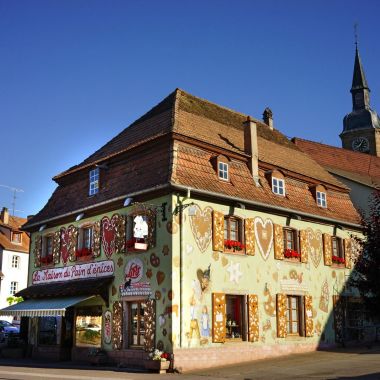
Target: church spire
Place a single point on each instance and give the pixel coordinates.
(359, 89)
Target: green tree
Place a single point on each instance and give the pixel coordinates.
(11, 300)
(366, 277)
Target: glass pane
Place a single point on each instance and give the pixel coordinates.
(294, 315)
(225, 229)
(47, 333)
(88, 330)
(294, 327)
(294, 303)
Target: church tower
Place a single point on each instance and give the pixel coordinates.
(361, 127)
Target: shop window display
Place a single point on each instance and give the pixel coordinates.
(234, 320)
(136, 322)
(88, 328)
(47, 330)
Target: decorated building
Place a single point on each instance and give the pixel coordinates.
(197, 230)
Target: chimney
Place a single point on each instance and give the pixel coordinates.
(268, 118)
(250, 147)
(4, 215)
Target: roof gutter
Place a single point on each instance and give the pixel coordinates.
(265, 205)
(129, 195)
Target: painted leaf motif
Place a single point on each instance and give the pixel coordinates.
(309, 323)
(281, 315)
(117, 333)
(149, 325)
(56, 247)
(304, 246)
(253, 318)
(249, 231)
(218, 317)
(327, 250)
(37, 251)
(278, 242)
(217, 231)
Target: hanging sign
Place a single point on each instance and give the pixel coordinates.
(74, 272)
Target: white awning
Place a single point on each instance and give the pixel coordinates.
(45, 307)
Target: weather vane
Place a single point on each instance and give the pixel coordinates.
(356, 34)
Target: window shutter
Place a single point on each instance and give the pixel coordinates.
(347, 252)
(117, 334)
(327, 249)
(253, 318)
(303, 246)
(73, 241)
(95, 244)
(56, 247)
(151, 228)
(309, 324)
(37, 250)
(119, 221)
(217, 231)
(218, 317)
(149, 325)
(282, 301)
(278, 242)
(249, 231)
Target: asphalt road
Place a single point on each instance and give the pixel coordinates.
(360, 364)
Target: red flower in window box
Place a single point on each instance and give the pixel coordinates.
(47, 259)
(291, 254)
(234, 244)
(83, 252)
(130, 243)
(338, 260)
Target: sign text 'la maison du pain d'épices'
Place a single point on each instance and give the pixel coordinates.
(74, 272)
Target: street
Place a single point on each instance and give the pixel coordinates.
(363, 364)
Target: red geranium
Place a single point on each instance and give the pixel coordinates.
(291, 253)
(338, 260)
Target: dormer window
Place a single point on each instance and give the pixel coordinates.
(320, 195)
(321, 199)
(278, 186)
(16, 237)
(94, 181)
(223, 171)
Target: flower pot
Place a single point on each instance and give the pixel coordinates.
(157, 365)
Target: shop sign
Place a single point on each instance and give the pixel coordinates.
(136, 289)
(134, 270)
(74, 272)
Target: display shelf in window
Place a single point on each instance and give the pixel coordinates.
(141, 230)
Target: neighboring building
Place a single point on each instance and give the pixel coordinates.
(14, 257)
(357, 164)
(197, 230)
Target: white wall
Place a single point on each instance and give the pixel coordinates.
(19, 275)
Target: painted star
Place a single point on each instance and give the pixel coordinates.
(235, 273)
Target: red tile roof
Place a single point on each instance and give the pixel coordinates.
(141, 156)
(14, 224)
(359, 167)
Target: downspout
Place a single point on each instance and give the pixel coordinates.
(179, 202)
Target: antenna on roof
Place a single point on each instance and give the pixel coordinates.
(356, 34)
(15, 190)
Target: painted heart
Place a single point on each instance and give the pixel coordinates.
(108, 236)
(201, 227)
(65, 244)
(264, 236)
(314, 245)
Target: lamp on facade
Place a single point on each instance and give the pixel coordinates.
(42, 228)
(128, 201)
(79, 217)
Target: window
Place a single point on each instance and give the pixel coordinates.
(233, 234)
(234, 317)
(13, 289)
(94, 181)
(293, 315)
(291, 244)
(15, 261)
(337, 250)
(47, 250)
(136, 323)
(321, 199)
(16, 237)
(223, 170)
(88, 327)
(84, 248)
(141, 231)
(278, 186)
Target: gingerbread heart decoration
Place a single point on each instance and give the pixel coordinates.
(264, 236)
(113, 234)
(201, 227)
(314, 245)
(65, 244)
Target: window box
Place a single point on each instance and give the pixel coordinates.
(338, 260)
(47, 260)
(83, 254)
(233, 246)
(292, 254)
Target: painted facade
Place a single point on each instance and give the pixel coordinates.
(203, 236)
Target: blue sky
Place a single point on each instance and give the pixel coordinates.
(74, 73)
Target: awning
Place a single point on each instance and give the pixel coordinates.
(44, 307)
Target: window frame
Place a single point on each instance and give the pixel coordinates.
(278, 186)
(299, 314)
(47, 250)
(13, 288)
(94, 181)
(338, 250)
(239, 232)
(243, 319)
(223, 171)
(295, 242)
(15, 262)
(321, 197)
(81, 242)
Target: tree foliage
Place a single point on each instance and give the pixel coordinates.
(366, 277)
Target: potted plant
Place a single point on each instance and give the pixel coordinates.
(159, 361)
